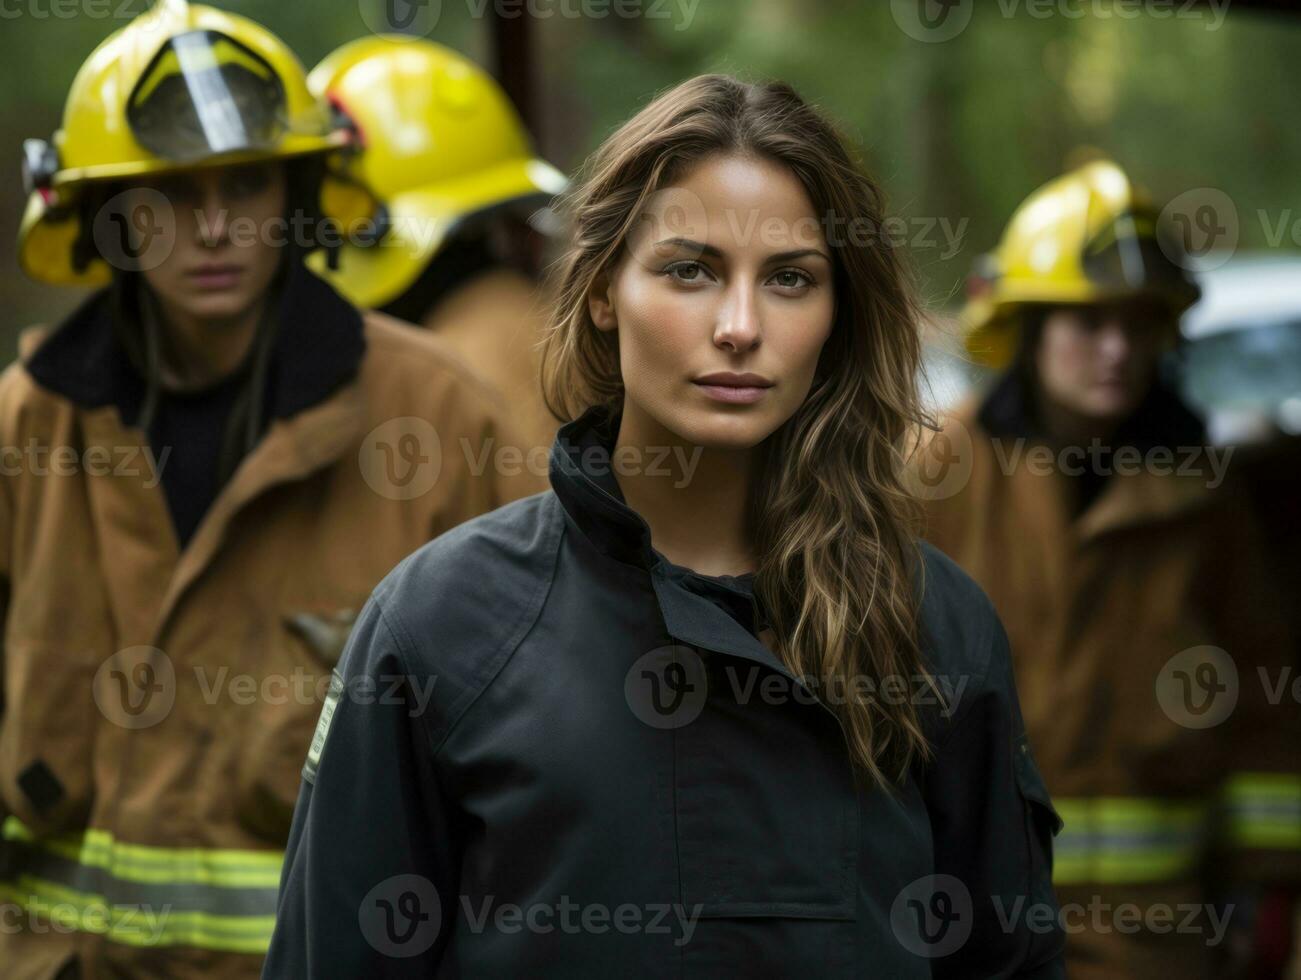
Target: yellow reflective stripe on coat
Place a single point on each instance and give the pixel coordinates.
(141, 895)
(1126, 840)
(1263, 810)
(136, 862)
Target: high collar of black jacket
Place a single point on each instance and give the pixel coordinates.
(318, 348)
(584, 481)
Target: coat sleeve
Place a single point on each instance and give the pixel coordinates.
(992, 824)
(368, 884)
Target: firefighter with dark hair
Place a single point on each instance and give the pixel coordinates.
(1082, 494)
(215, 458)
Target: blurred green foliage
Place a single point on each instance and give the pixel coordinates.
(960, 130)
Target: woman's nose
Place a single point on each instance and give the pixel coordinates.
(213, 216)
(738, 325)
(1114, 341)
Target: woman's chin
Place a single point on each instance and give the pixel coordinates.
(726, 428)
(1112, 406)
(215, 306)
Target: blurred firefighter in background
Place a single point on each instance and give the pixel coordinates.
(457, 248)
(1147, 638)
(219, 458)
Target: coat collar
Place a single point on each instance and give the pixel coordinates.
(317, 411)
(318, 348)
(713, 612)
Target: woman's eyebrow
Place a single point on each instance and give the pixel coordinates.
(693, 246)
(702, 249)
(798, 253)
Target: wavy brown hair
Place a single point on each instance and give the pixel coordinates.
(832, 522)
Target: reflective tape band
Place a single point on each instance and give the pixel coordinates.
(1127, 840)
(1263, 810)
(131, 894)
(128, 925)
(136, 862)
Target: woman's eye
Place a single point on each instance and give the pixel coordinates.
(792, 279)
(686, 271)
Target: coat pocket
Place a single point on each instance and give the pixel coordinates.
(307, 647)
(46, 734)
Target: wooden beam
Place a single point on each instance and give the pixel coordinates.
(513, 58)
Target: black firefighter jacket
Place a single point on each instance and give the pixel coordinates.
(549, 752)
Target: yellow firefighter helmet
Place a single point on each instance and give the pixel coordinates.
(1089, 236)
(440, 142)
(178, 88)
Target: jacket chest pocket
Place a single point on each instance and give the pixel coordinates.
(306, 645)
(766, 807)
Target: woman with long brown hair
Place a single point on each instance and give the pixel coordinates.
(705, 708)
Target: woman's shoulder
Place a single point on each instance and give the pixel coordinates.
(492, 561)
(413, 355)
(459, 605)
(962, 637)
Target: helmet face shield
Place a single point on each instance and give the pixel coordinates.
(1129, 255)
(206, 94)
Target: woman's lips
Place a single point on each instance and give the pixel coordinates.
(216, 277)
(735, 394)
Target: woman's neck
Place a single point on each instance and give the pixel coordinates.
(693, 498)
(197, 351)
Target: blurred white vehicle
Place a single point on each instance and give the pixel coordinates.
(1241, 365)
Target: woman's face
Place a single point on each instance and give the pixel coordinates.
(722, 301)
(1098, 361)
(225, 233)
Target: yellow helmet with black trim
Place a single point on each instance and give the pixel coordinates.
(1088, 236)
(440, 142)
(180, 87)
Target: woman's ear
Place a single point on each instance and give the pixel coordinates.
(600, 302)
